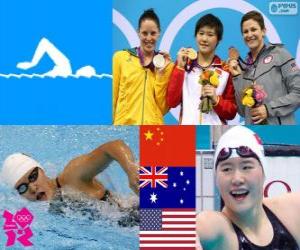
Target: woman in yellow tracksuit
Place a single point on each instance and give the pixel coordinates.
(139, 88)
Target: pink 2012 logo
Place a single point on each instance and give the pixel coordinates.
(16, 227)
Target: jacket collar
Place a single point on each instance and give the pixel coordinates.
(137, 52)
(216, 62)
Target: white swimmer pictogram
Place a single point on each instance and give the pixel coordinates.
(62, 66)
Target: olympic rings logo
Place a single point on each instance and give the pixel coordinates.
(24, 218)
(184, 16)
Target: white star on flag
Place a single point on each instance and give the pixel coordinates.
(153, 198)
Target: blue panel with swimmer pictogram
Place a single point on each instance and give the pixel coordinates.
(55, 63)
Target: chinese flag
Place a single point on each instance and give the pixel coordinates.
(167, 145)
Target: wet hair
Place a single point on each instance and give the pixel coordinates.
(150, 15)
(212, 22)
(254, 15)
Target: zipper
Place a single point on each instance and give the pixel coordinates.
(144, 93)
(279, 120)
(256, 62)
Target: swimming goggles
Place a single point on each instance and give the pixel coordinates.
(23, 187)
(242, 151)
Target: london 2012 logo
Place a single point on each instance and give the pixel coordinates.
(283, 8)
(17, 227)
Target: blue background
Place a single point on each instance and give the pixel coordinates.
(79, 29)
(286, 27)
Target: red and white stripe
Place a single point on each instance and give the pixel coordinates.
(178, 231)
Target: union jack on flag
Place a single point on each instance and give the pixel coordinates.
(153, 176)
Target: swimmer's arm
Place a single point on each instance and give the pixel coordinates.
(209, 230)
(120, 152)
(291, 201)
(90, 165)
(288, 206)
(294, 197)
(284, 201)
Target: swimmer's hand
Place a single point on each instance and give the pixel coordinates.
(233, 53)
(182, 57)
(259, 114)
(24, 65)
(167, 58)
(133, 178)
(234, 67)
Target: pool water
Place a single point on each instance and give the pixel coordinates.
(88, 224)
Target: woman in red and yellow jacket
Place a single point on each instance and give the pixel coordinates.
(186, 83)
(139, 82)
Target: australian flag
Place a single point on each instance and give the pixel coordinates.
(175, 187)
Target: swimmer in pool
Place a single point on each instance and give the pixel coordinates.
(28, 177)
(247, 221)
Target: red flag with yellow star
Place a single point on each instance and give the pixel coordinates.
(167, 145)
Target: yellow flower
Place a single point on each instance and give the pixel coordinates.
(249, 92)
(248, 101)
(214, 80)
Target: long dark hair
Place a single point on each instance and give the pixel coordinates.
(150, 15)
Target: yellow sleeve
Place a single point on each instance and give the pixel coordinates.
(116, 80)
(161, 86)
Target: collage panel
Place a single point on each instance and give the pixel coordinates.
(167, 188)
(69, 187)
(205, 63)
(247, 187)
(55, 65)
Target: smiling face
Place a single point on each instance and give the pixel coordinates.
(240, 181)
(35, 186)
(148, 34)
(253, 34)
(207, 40)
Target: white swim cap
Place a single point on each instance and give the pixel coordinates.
(241, 136)
(16, 166)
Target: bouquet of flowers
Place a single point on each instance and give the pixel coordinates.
(208, 77)
(253, 96)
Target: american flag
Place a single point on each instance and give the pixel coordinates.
(168, 214)
(168, 229)
(153, 176)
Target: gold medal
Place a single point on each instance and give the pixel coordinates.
(192, 54)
